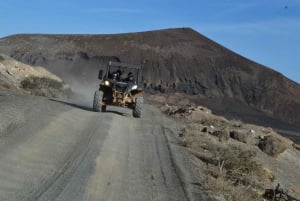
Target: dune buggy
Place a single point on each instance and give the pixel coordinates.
(120, 86)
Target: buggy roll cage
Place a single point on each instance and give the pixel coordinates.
(137, 67)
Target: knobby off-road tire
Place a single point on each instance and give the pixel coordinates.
(97, 104)
(138, 107)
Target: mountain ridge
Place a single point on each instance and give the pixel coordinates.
(175, 60)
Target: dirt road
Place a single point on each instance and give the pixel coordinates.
(51, 150)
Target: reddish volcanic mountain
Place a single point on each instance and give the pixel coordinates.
(175, 60)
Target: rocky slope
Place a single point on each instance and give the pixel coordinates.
(175, 60)
(18, 77)
(238, 161)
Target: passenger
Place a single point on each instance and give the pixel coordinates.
(130, 77)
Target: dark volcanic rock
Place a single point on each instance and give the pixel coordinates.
(175, 60)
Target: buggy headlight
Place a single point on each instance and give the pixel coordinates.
(106, 83)
(134, 87)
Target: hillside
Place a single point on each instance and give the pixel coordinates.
(21, 78)
(175, 60)
(234, 160)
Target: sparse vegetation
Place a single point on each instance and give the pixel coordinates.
(236, 123)
(239, 136)
(19, 77)
(229, 192)
(272, 145)
(229, 154)
(37, 82)
(212, 121)
(231, 171)
(43, 86)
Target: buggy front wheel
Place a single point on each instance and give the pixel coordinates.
(137, 109)
(97, 104)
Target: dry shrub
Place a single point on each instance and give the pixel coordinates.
(43, 86)
(241, 137)
(236, 123)
(242, 169)
(267, 130)
(223, 135)
(172, 111)
(237, 176)
(281, 194)
(272, 145)
(192, 135)
(222, 186)
(238, 163)
(231, 171)
(213, 121)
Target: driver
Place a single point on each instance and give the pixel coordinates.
(116, 75)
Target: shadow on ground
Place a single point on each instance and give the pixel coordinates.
(88, 108)
(73, 105)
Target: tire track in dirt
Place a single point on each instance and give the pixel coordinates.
(82, 155)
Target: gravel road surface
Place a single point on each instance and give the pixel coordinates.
(54, 150)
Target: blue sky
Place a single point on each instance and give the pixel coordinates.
(265, 31)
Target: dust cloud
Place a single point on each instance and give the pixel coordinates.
(83, 93)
